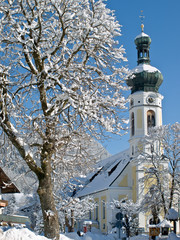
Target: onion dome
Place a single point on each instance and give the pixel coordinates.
(143, 42)
(144, 77)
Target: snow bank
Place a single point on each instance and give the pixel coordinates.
(26, 234)
(87, 236)
(172, 236)
(140, 237)
(93, 236)
(19, 234)
(70, 236)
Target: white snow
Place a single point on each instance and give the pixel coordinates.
(142, 34)
(18, 234)
(26, 234)
(87, 222)
(165, 223)
(172, 214)
(104, 174)
(172, 236)
(144, 67)
(49, 213)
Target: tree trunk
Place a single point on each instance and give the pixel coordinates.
(172, 190)
(67, 223)
(50, 215)
(72, 221)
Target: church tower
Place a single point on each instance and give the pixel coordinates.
(145, 102)
(145, 110)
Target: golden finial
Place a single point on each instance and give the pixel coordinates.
(142, 20)
(142, 27)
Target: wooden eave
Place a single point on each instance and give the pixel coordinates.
(3, 203)
(6, 185)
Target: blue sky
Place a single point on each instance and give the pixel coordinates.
(162, 24)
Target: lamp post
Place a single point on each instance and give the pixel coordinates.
(119, 217)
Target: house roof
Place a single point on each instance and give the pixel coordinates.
(107, 171)
(6, 184)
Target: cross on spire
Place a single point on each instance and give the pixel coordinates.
(142, 20)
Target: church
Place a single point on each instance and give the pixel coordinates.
(116, 177)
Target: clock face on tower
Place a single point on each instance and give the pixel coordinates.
(150, 99)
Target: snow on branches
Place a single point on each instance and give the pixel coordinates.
(159, 158)
(61, 78)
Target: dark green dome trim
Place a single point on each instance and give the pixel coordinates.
(145, 81)
(145, 40)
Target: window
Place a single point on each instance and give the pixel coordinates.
(90, 214)
(132, 150)
(151, 122)
(132, 124)
(97, 210)
(103, 209)
(145, 53)
(132, 102)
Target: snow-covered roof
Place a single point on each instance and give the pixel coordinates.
(165, 223)
(144, 67)
(6, 184)
(172, 214)
(106, 173)
(142, 34)
(23, 182)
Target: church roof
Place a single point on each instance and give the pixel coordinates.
(107, 171)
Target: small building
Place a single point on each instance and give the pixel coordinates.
(8, 187)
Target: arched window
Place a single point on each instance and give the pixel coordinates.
(90, 214)
(132, 124)
(151, 121)
(145, 53)
(96, 213)
(132, 150)
(103, 209)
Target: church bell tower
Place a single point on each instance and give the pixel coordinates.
(145, 109)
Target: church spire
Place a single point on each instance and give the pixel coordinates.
(145, 77)
(142, 20)
(143, 42)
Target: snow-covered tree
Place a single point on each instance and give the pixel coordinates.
(129, 211)
(160, 158)
(152, 203)
(61, 83)
(74, 209)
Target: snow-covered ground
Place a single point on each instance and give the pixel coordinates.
(26, 234)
